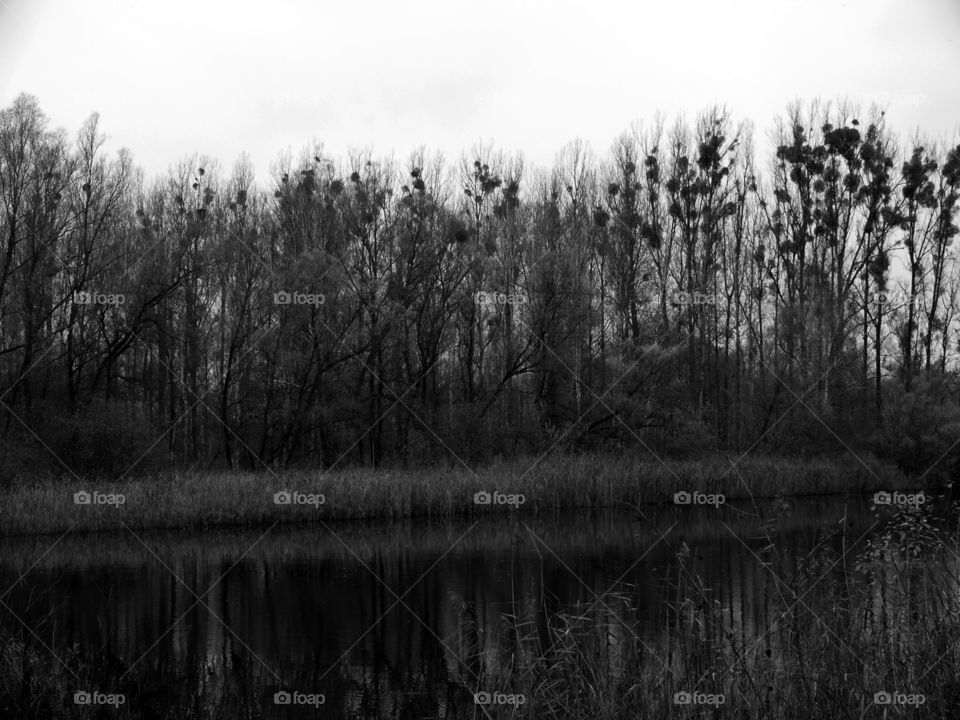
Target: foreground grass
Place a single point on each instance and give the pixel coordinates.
(205, 499)
(890, 626)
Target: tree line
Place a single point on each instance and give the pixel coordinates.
(679, 294)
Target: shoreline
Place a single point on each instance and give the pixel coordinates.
(197, 500)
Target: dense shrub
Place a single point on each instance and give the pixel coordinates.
(105, 438)
(921, 429)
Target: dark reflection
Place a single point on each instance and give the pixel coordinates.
(402, 620)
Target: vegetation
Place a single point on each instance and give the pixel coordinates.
(679, 294)
(890, 623)
(230, 498)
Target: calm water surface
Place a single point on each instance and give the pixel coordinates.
(406, 619)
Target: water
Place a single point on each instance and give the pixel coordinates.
(405, 619)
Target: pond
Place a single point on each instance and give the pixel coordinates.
(496, 616)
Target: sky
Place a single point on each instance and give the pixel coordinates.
(174, 78)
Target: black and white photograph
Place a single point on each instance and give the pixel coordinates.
(502, 360)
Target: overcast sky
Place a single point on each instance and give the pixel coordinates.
(172, 78)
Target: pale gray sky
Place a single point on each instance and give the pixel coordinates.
(172, 78)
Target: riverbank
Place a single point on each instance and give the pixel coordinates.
(231, 498)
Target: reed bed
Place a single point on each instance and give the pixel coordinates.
(229, 498)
